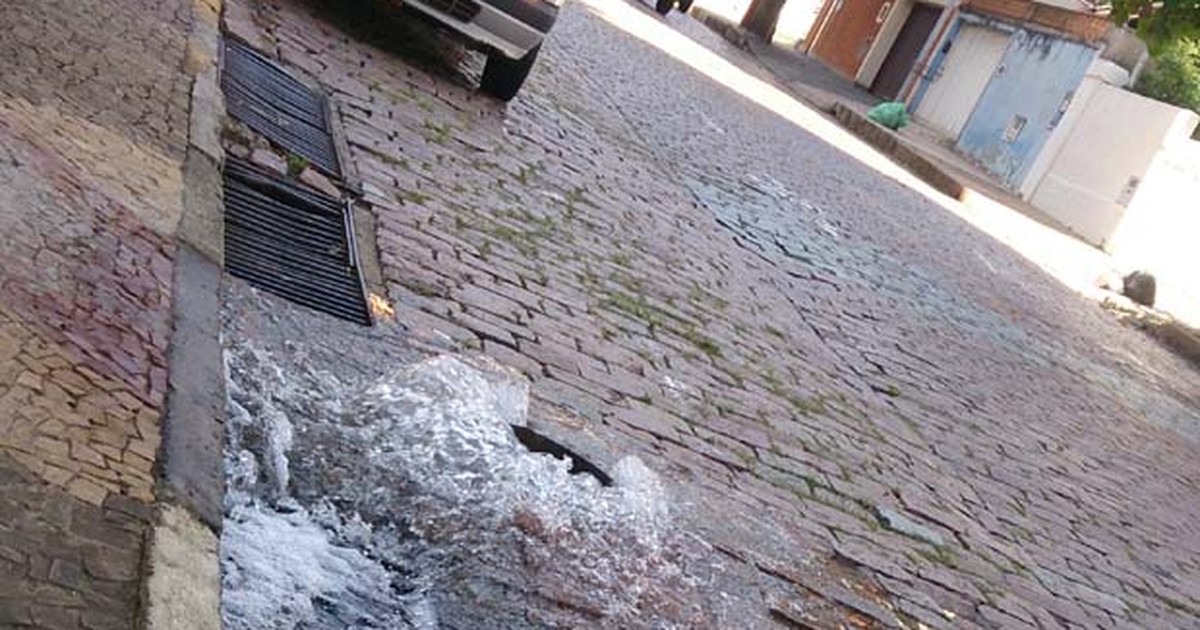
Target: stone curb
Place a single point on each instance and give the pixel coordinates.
(183, 590)
(190, 471)
(181, 567)
(890, 144)
(730, 31)
(1179, 338)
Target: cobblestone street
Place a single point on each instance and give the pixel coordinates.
(832, 369)
(865, 411)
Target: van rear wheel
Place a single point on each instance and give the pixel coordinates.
(503, 77)
(664, 7)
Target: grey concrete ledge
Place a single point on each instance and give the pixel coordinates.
(203, 223)
(890, 144)
(190, 459)
(181, 588)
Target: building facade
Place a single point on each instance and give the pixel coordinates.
(994, 76)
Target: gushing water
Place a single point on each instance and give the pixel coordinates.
(409, 502)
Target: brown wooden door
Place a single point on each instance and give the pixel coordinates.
(905, 50)
(847, 36)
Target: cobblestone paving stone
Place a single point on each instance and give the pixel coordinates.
(839, 370)
(82, 264)
(69, 425)
(93, 130)
(65, 563)
(115, 64)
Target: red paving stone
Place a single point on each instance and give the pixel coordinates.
(83, 266)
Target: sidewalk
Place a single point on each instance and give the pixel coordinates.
(810, 79)
(919, 148)
(95, 138)
(931, 156)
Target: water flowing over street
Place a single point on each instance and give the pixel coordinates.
(823, 397)
(655, 344)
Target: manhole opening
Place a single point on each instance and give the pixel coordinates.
(277, 105)
(293, 242)
(537, 443)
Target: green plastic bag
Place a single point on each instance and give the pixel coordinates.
(892, 115)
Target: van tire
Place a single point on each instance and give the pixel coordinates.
(503, 77)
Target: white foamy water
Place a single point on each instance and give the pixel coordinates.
(410, 502)
(283, 571)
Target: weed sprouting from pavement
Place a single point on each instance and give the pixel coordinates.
(524, 242)
(702, 343)
(438, 133)
(525, 173)
(384, 157)
(749, 459)
(808, 406)
(422, 288)
(413, 196)
(939, 555)
(296, 164)
(636, 307)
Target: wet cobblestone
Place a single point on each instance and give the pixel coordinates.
(68, 424)
(84, 266)
(66, 563)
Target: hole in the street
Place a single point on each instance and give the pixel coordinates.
(538, 443)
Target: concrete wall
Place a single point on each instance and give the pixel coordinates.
(1105, 158)
(1025, 101)
(795, 21)
(1123, 47)
(1159, 230)
(1101, 72)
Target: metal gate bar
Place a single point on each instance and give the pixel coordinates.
(261, 94)
(293, 242)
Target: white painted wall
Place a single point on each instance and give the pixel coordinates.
(1101, 72)
(1070, 5)
(732, 10)
(1105, 159)
(795, 21)
(1159, 229)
